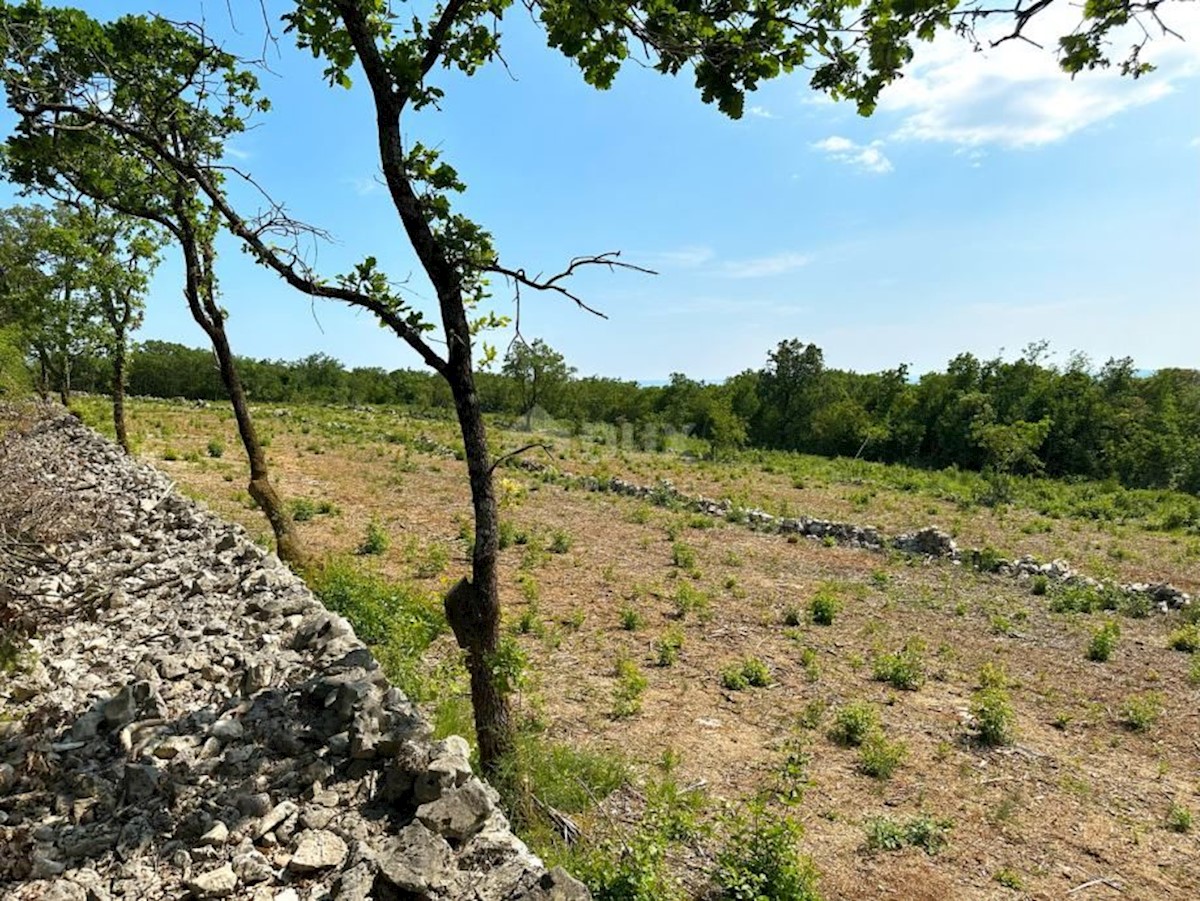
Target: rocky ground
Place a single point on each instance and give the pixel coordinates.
(188, 721)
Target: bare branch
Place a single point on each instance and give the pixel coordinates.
(554, 283)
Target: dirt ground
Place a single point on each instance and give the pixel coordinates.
(1078, 797)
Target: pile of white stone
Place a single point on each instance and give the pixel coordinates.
(191, 722)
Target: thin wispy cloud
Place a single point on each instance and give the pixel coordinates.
(763, 267)
(363, 185)
(1015, 95)
(864, 157)
(761, 112)
(237, 152)
(688, 257)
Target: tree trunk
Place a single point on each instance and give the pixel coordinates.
(43, 376)
(473, 610)
(198, 258)
(118, 391)
(287, 544)
(64, 382)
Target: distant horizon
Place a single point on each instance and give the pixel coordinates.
(914, 375)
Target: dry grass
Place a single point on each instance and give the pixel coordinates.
(1075, 798)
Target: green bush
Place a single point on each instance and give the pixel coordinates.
(631, 619)
(560, 542)
(853, 723)
(759, 860)
(669, 646)
(302, 509)
(750, 672)
(683, 555)
(993, 716)
(398, 614)
(823, 607)
(215, 448)
(1104, 641)
(904, 669)
(1186, 638)
(924, 832)
(15, 380)
(1179, 819)
(1139, 712)
(880, 758)
(376, 540)
(627, 693)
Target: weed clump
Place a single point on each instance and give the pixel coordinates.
(905, 669)
(853, 723)
(824, 607)
(759, 859)
(924, 832)
(1104, 640)
(993, 717)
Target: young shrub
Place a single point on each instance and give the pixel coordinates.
(1140, 712)
(733, 679)
(302, 509)
(823, 607)
(904, 669)
(376, 540)
(756, 672)
(880, 758)
(631, 619)
(924, 832)
(560, 542)
(683, 555)
(1186, 639)
(853, 723)
(631, 685)
(759, 860)
(215, 448)
(1179, 818)
(669, 646)
(1040, 584)
(993, 717)
(689, 599)
(1104, 640)
(792, 616)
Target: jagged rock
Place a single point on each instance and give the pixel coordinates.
(217, 835)
(557, 885)
(417, 861)
(218, 883)
(253, 867)
(459, 813)
(281, 812)
(317, 850)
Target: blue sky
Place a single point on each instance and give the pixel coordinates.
(990, 202)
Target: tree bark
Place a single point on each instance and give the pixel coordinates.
(118, 390)
(43, 376)
(64, 382)
(474, 615)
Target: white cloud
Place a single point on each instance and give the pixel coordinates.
(761, 112)
(688, 257)
(1015, 95)
(363, 185)
(867, 157)
(762, 267)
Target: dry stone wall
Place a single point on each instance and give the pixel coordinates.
(193, 723)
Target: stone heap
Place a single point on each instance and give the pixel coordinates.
(195, 724)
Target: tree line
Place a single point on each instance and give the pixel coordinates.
(1022, 416)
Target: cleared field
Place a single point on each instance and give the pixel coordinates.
(643, 632)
